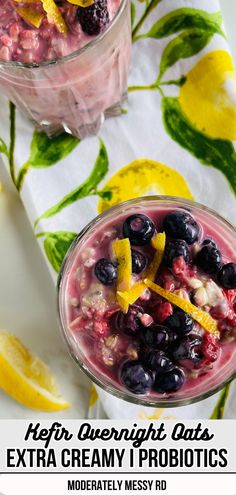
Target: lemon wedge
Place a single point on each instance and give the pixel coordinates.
(26, 378)
(203, 318)
(122, 251)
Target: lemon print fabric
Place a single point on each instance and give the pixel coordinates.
(141, 178)
(208, 97)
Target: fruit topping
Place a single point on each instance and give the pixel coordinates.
(227, 276)
(158, 242)
(130, 322)
(122, 251)
(158, 336)
(139, 229)
(54, 15)
(175, 249)
(81, 3)
(94, 19)
(136, 377)
(181, 225)
(210, 348)
(203, 318)
(187, 349)
(209, 259)
(163, 311)
(180, 322)
(105, 271)
(158, 361)
(169, 382)
(139, 262)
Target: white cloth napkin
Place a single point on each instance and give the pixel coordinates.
(139, 133)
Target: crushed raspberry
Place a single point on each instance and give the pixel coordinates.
(168, 280)
(182, 270)
(100, 327)
(163, 311)
(210, 348)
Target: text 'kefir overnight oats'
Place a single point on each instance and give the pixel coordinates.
(147, 301)
(65, 64)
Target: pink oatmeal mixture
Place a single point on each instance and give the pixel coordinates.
(23, 43)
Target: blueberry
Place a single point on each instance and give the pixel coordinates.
(158, 361)
(128, 323)
(136, 377)
(227, 276)
(180, 322)
(174, 249)
(139, 262)
(187, 349)
(158, 336)
(209, 259)
(93, 19)
(105, 271)
(139, 229)
(169, 382)
(181, 225)
(207, 242)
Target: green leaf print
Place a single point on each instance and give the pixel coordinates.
(216, 152)
(56, 245)
(133, 13)
(185, 18)
(218, 412)
(3, 147)
(45, 152)
(150, 6)
(186, 45)
(87, 188)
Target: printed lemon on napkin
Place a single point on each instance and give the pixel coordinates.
(26, 378)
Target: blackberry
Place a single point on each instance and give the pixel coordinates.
(94, 19)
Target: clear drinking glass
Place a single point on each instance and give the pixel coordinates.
(76, 92)
(226, 237)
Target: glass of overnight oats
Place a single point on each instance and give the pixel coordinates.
(64, 63)
(147, 301)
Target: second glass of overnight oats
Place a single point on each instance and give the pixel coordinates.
(64, 63)
(147, 301)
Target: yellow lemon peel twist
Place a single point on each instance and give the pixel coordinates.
(122, 251)
(30, 16)
(158, 242)
(54, 15)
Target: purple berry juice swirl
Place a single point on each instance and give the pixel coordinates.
(154, 351)
(69, 93)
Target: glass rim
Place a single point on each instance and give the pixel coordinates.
(128, 396)
(87, 47)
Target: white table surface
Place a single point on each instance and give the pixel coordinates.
(27, 294)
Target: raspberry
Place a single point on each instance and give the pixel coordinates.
(93, 19)
(210, 348)
(163, 311)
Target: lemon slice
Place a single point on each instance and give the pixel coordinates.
(122, 252)
(203, 318)
(30, 16)
(26, 378)
(81, 3)
(143, 177)
(54, 15)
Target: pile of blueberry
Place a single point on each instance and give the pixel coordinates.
(94, 19)
(166, 348)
